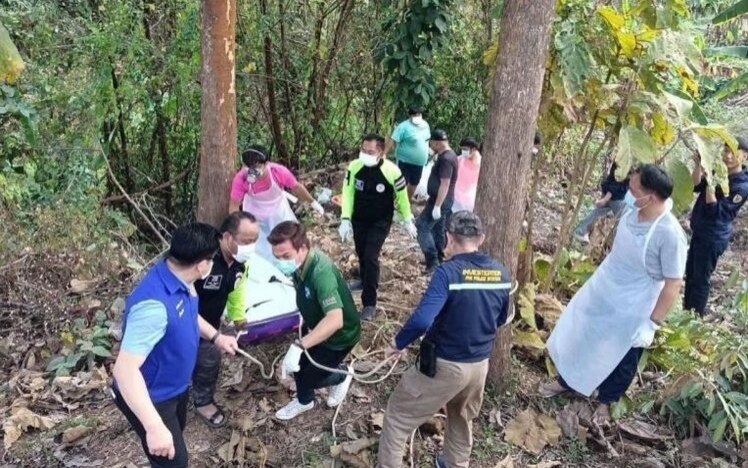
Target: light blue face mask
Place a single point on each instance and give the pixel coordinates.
(286, 266)
(630, 200)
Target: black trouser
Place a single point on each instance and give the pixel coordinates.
(205, 376)
(311, 377)
(369, 238)
(702, 260)
(615, 385)
(173, 413)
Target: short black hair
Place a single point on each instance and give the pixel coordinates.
(415, 110)
(655, 179)
(374, 137)
(192, 243)
(255, 154)
(538, 138)
(742, 143)
(289, 231)
(234, 220)
(469, 143)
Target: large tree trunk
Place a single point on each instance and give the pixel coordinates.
(502, 190)
(218, 109)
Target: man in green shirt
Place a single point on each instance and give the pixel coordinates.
(372, 187)
(412, 152)
(331, 321)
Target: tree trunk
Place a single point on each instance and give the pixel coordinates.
(524, 36)
(217, 110)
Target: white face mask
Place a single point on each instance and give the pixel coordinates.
(207, 272)
(251, 179)
(244, 252)
(416, 120)
(368, 159)
(465, 153)
(535, 150)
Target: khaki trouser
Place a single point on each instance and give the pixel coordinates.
(458, 386)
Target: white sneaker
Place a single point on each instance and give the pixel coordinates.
(293, 409)
(338, 392)
(585, 239)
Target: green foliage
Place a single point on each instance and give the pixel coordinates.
(739, 8)
(11, 64)
(416, 33)
(85, 346)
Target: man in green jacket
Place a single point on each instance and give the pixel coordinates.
(331, 321)
(372, 188)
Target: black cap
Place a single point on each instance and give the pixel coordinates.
(742, 143)
(415, 110)
(465, 223)
(439, 135)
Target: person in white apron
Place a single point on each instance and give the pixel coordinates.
(260, 189)
(600, 337)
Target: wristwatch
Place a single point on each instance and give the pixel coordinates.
(215, 337)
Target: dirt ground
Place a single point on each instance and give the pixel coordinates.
(36, 303)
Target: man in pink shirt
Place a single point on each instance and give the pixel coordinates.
(260, 188)
(468, 164)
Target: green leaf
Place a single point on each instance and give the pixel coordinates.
(682, 106)
(101, 351)
(682, 185)
(718, 428)
(528, 340)
(734, 51)
(738, 9)
(733, 86)
(440, 24)
(612, 17)
(527, 305)
(56, 363)
(634, 145)
(11, 64)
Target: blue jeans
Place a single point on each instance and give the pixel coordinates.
(432, 234)
(614, 207)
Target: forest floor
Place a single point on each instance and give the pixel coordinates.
(73, 422)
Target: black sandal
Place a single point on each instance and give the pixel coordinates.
(211, 420)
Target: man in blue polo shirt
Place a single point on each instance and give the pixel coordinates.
(460, 342)
(161, 330)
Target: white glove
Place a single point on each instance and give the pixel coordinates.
(345, 230)
(318, 208)
(436, 213)
(291, 360)
(410, 228)
(644, 335)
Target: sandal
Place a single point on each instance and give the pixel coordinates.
(216, 416)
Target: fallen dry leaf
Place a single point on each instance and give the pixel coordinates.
(75, 434)
(507, 462)
(644, 430)
(21, 420)
(545, 464)
(265, 406)
(548, 307)
(377, 419)
(78, 286)
(532, 432)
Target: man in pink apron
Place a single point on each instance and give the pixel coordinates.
(468, 170)
(260, 189)
(597, 342)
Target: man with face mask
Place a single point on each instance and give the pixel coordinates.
(239, 233)
(465, 303)
(260, 188)
(412, 152)
(468, 171)
(161, 331)
(331, 321)
(441, 189)
(372, 187)
(599, 338)
(711, 224)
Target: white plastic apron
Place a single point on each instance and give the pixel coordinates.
(271, 208)
(596, 330)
